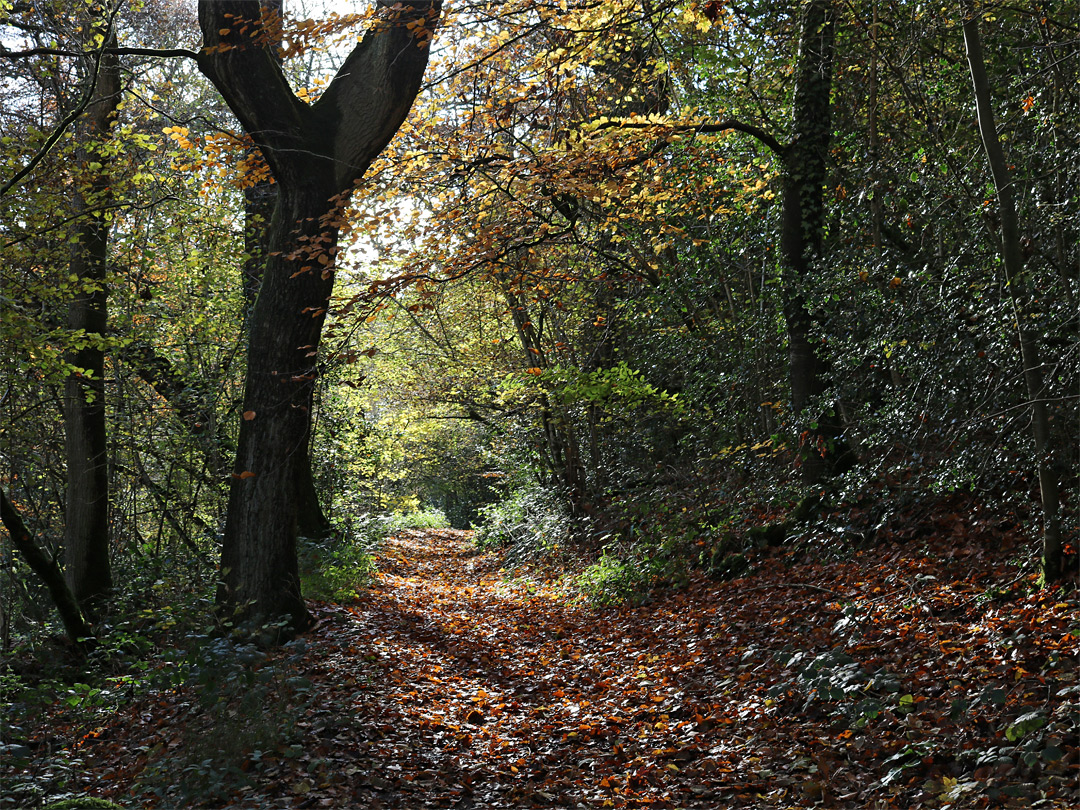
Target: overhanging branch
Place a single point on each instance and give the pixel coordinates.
(703, 128)
(165, 53)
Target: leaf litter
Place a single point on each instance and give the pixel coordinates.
(900, 677)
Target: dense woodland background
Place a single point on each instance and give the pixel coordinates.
(657, 285)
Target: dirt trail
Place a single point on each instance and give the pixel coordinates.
(490, 692)
(480, 691)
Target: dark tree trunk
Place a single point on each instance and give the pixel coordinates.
(86, 531)
(317, 153)
(259, 557)
(801, 228)
(260, 200)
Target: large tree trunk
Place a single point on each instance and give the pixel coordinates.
(86, 532)
(260, 200)
(1013, 259)
(317, 153)
(801, 227)
(258, 561)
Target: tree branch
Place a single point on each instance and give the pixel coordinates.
(70, 118)
(156, 52)
(705, 128)
(47, 569)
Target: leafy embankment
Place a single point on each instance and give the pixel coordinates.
(904, 676)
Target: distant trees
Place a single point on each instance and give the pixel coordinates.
(809, 191)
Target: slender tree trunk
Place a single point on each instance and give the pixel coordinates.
(86, 532)
(1013, 259)
(802, 223)
(317, 153)
(563, 447)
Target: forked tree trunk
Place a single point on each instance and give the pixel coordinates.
(86, 526)
(1013, 259)
(317, 153)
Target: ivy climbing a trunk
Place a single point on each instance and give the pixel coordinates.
(802, 225)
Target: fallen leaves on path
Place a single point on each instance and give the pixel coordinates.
(890, 679)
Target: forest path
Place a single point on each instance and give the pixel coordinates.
(862, 683)
(890, 678)
(487, 691)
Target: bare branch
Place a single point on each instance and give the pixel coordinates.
(127, 51)
(705, 128)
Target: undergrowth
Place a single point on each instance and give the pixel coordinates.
(531, 521)
(162, 640)
(249, 703)
(338, 567)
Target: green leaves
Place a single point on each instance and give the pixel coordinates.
(1024, 725)
(617, 388)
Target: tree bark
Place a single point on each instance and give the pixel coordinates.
(86, 532)
(317, 153)
(1012, 258)
(802, 223)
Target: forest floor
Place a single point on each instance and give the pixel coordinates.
(915, 675)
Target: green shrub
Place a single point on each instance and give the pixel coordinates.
(612, 581)
(333, 568)
(530, 521)
(417, 519)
